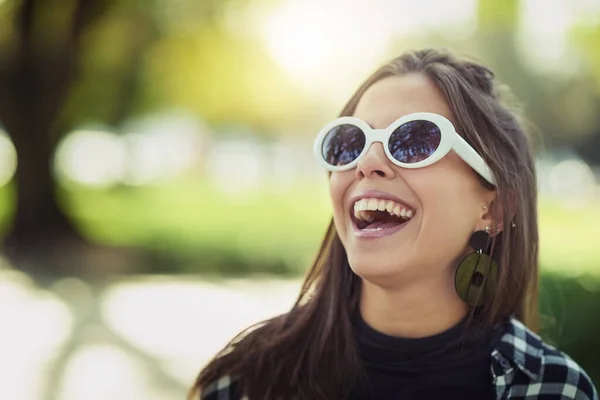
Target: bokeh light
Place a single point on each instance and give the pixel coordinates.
(92, 158)
(121, 378)
(142, 313)
(35, 325)
(236, 166)
(573, 182)
(544, 32)
(8, 159)
(154, 152)
(162, 148)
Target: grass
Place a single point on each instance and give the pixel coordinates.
(194, 221)
(569, 238)
(281, 228)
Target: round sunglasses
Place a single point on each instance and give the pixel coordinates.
(413, 141)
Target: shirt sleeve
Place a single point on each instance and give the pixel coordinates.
(223, 389)
(585, 388)
(565, 377)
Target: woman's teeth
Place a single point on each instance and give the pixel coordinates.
(373, 204)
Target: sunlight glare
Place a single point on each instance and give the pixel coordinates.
(315, 43)
(330, 45)
(297, 48)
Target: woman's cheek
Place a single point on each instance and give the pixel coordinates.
(339, 183)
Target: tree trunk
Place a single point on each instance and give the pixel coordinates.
(34, 84)
(29, 110)
(38, 220)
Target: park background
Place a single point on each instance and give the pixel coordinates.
(157, 186)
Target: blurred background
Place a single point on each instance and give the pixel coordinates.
(157, 186)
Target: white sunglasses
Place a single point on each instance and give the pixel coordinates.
(413, 141)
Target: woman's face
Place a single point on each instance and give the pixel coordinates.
(445, 199)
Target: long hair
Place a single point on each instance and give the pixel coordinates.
(310, 352)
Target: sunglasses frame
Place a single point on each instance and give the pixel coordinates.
(449, 140)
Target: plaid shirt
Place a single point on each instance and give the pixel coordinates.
(523, 367)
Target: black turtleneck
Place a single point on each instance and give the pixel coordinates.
(443, 366)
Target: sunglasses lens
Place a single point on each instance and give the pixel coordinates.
(415, 141)
(343, 144)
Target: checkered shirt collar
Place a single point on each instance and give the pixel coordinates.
(523, 348)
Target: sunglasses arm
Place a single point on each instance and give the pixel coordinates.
(471, 157)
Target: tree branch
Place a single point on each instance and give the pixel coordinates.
(24, 23)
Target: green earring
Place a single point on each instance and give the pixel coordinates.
(476, 276)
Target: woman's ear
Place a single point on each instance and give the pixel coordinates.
(502, 204)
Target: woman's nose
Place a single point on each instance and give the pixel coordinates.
(375, 163)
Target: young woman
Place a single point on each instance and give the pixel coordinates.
(426, 281)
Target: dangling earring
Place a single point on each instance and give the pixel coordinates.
(476, 276)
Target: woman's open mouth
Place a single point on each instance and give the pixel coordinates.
(374, 217)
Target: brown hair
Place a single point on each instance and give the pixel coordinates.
(310, 352)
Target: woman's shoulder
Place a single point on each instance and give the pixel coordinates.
(544, 370)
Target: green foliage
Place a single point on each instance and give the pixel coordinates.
(204, 230)
(587, 41)
(570, 308)
(108, 86)
(7, 207)
(492, 14)
(223, 77)
(139, 58)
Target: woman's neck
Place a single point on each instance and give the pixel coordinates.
(420, 309)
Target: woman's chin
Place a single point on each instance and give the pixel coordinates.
(377, 271)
